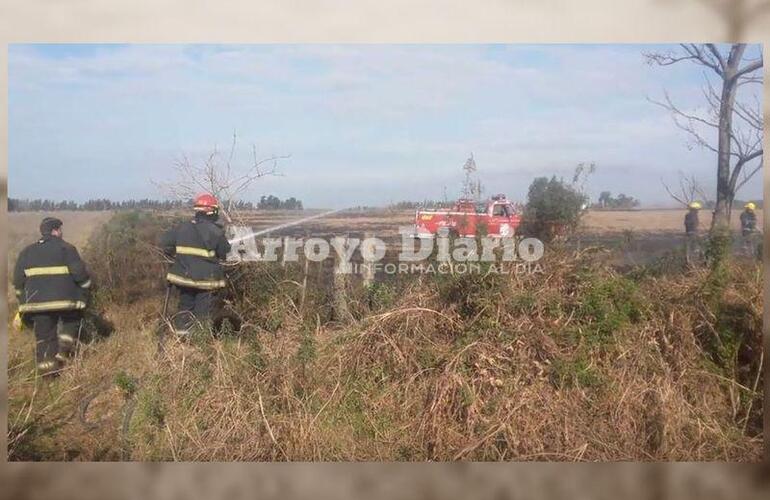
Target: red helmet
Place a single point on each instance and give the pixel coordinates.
(206, 203)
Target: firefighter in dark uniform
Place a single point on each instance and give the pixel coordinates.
(198, 247)
(52, 284)
(749, 228)
(691, 230)
(748, 219)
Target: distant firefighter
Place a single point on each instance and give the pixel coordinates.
(748, 219)
(749, 229)
(691, 231)
(198, 247)
(52, 285)
(691, 218)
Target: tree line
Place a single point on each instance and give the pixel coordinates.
(44, 205)
(606, 200)
(271, 202)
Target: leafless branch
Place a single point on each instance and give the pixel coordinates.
(220, 178)
(752, 116)
(749, 68)
(718, 55)
(751, 79)
(690, 189)
(749, 174)
(693, 53)
(746, 176)
(687, 122)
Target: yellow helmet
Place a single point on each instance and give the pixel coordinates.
(750, 206)
(694, 205)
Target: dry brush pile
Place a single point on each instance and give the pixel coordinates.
(576, 363)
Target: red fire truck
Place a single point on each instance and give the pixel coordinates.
(467, 218)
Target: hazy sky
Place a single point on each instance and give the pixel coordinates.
(364, 124)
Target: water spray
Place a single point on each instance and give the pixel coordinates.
(283, 226)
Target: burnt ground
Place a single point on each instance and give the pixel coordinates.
(616, 231)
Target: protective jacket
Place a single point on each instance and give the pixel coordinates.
(748, 221)
(691, 222)
(198, 247)
(50, 276)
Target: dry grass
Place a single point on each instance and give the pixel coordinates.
(649, 221)
(576, 364)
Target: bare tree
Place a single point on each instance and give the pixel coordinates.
(738, 123)
(217, 175)
(581, 174)
(690, 189)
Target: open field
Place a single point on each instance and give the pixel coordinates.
(381, 222)
(649, 221)
(645, 235)
(385, 222)
(78, 226)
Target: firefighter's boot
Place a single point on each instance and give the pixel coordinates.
(49, 368)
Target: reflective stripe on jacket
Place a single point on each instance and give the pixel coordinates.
(52, 305)
(200, 252)
(50, 276)
(202, 284)
(46, 271)
(198, 247)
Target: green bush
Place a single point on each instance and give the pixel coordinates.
(123, 257)
(553, 208)
(269, 294)
(607, 305)
(470, 293)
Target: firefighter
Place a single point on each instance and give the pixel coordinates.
(52, 285)
(691, 230)
(197, 246)
(748, 227)
(691, 218)
(748, 219)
